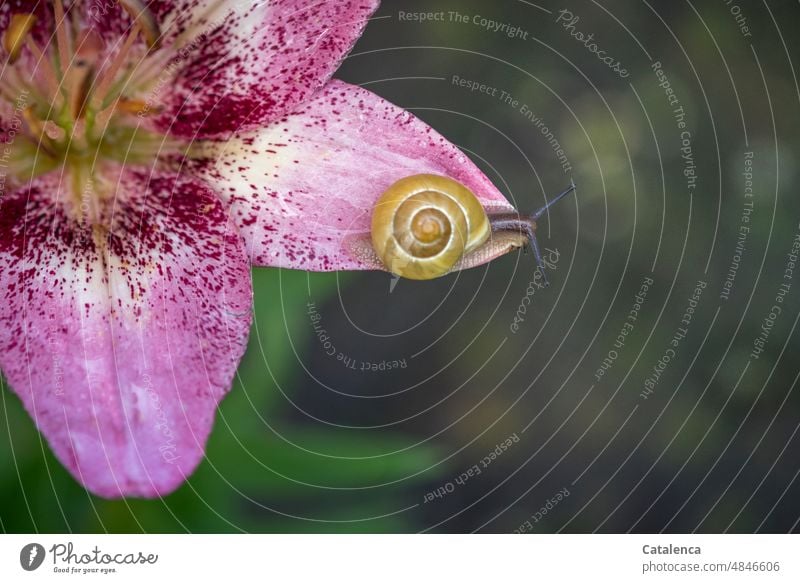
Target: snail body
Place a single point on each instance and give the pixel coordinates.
(424, 224)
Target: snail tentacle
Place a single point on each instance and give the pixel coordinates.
(571, 188)
(526, 225)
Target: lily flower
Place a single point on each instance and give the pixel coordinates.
(150, 154)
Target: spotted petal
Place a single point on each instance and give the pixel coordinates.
(302, 190)
(121, 338)
(240, 65)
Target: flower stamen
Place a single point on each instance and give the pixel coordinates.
(62, 38)
(38, 130)
(108, 75)
(46, 67)
(8, 91)
(81, 79)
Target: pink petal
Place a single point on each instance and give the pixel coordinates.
(121, 339)
(256, 62)
(302, 190)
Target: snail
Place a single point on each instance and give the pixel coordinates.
(423, 225)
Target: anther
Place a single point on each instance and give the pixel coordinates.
(16, 35)
(135, 106)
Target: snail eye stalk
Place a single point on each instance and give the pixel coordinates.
(571, 188)
(526, 225)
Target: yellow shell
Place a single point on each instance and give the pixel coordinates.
(423, 224)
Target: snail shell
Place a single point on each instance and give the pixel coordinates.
(423, 224)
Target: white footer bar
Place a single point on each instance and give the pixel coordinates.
(401, 558)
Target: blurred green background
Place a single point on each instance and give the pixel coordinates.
(307, 442)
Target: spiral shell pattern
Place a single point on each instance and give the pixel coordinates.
(423, 224)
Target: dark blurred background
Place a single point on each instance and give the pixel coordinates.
(441, 412)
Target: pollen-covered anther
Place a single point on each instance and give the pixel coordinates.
(144, 17)
(135, 106)
(16, 34)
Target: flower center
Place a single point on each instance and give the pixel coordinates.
(73, 102)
